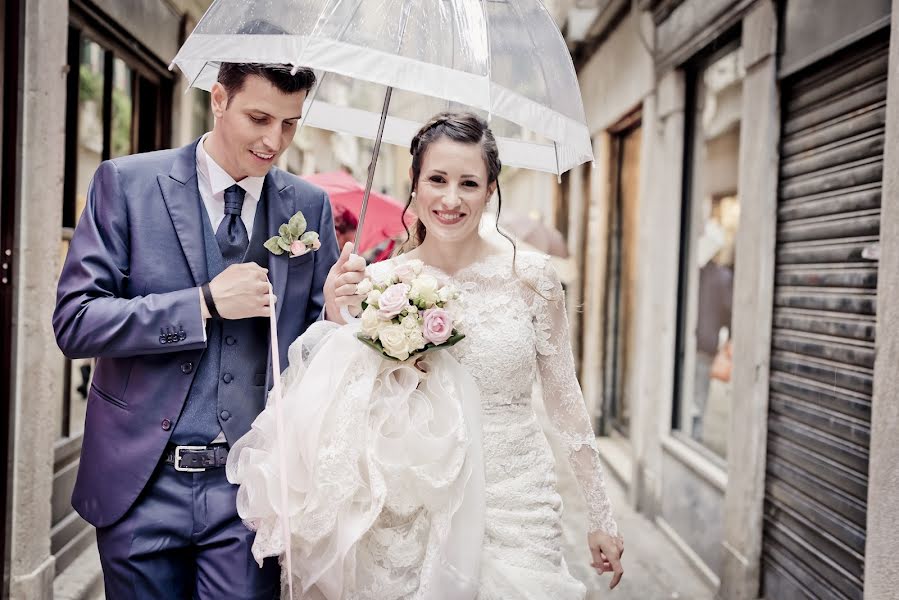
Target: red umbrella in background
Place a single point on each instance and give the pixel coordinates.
(384, 219)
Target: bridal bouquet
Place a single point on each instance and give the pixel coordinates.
(407, 312)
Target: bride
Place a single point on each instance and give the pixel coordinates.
(432, 478)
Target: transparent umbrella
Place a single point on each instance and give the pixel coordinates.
(386, 66)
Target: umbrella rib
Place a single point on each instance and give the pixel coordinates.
(489, 62)
(542, 72)
(318, 22)
(344, 27)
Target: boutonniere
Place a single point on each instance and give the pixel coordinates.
(292, 237)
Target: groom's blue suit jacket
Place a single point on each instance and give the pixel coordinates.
(128, 296)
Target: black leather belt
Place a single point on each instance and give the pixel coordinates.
(195, 459)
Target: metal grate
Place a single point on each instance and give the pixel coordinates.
(822, 354)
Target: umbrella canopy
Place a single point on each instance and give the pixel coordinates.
(385, 218)
(504, 59)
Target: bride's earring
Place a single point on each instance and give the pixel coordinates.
(413, 196)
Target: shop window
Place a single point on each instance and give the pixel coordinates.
(711, 212)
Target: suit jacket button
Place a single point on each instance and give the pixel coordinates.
(166, 424)
(225, 415)
(227, 378)
(187, 367)
(230, 340)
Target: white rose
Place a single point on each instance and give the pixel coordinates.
(416, 339)
(373, 298)
(416, 265)
(445, 294)
(410, 322)
(424, 290)
(404, 272)
(371, 322)
(364, 287)
(395, 342)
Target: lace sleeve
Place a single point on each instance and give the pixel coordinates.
(564, 400)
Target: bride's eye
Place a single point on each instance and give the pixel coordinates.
(436, 179)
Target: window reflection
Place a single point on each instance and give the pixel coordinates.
(90, 118)
(121, 126)
(706, 389)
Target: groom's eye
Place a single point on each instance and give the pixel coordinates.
(258, 120)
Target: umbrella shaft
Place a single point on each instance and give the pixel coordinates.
(371, 168)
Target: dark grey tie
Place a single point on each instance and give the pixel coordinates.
(232, 233)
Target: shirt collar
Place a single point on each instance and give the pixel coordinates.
(218, 178)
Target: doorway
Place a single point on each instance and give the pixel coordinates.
(621, 275)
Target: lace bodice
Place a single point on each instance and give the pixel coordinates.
(516, 327)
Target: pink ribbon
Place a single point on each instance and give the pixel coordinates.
(279, 411)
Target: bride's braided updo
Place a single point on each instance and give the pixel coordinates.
(463, 127)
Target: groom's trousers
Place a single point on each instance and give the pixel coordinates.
(183, 540)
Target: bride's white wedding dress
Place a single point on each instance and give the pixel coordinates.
(372, 519)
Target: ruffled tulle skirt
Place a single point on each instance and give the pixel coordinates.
(398, 484)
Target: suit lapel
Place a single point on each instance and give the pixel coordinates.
(280, 206)
(182, 199)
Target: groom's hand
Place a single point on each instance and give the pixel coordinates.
(340, 286)
(241, 291)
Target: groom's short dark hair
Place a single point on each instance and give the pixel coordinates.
(233, 75)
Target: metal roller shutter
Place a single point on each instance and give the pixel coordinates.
(822, 354)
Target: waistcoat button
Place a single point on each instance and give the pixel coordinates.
(227, 377)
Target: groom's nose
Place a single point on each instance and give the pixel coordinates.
(271, 139)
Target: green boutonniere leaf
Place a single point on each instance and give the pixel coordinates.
(284, 244)
(271, 244)
(297, 224)
(284, 231)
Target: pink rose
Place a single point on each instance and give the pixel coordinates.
(297, 248)
(438, 325)
(393, 300)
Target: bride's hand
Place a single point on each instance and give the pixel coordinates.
(606, 551)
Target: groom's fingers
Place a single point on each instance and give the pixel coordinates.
(345, 254)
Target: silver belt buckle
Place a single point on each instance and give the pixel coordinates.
(178, 466)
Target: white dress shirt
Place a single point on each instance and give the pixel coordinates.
(214, 180)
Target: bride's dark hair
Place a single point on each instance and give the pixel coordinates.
(463, 127)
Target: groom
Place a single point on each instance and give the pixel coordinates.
(167, 284)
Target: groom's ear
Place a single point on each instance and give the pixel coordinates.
(218, 99)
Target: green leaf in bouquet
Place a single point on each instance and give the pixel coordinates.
(452, 341)
(297, 224)
(309, 237)
(271, 244)
(284, 244)
(284, 231)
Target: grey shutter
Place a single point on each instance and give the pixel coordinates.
(822, 354)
